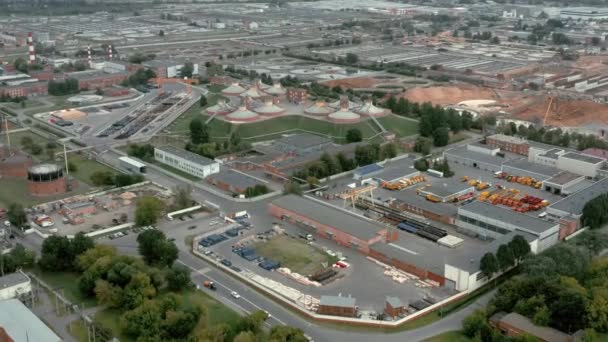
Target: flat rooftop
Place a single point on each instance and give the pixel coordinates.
(509, 216)
(237, 179)
(508, 138)
(463, 152)
(339, 301)
(552, 153)
(564, 178)
(396, 169)
(22, 325)
(409, 196)
(433, 257)
(349, 223)
(13, 279)
(574, 203)
(583, 157)
(447, 187)
(532, 168)
(90, 75)
(193, 157)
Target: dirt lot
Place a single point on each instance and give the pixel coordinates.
(350, 83)
(566, 113)
(449, 95)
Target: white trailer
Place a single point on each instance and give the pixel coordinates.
(132, 165)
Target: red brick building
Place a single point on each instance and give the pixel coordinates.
(297, 95)
(14, 165)
(394, 307)
(509, 143)
(337, 306)
(342, 227)
(90, 80)
(514, 324)
(25, 89)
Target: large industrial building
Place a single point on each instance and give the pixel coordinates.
(21, 325)
(186, 161)
(15, 285)
(335, 224)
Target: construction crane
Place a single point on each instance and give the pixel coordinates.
(548, 110)
(160, 81)
(354, 194)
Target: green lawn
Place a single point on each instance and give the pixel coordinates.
(180, 125)
(294, 254)
(18, 136)
(67, 281)
(78, 330)
(86, 167)
(15, 191)
(450, 336)
(403, 127)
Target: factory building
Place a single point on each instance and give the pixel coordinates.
(471, 156)
(15, 285)
(508, 143)
(168, 68)
(186, 161)
(335, 224)
(94, 79)
(448, 191)
(569, 210)
(35, 88)
(490, 221)
(19, 324)
(583, 164)
(233, 181)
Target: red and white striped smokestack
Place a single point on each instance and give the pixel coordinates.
(89, 59)
(110, 51)
(30, 47)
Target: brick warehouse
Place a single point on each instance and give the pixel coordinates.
(339, 226)
(509, 143)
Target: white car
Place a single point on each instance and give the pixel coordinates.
(268, 315)
(235, 294)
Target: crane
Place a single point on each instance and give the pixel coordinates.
(160, 81)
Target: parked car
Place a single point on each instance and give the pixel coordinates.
(226, 262)
(235, 294)
(191, 227)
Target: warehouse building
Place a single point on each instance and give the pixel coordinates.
(569, 210)
(490, 221)
(469, 155)
(21, 325)
(94, 79)
(333, 223)
(233, 181)
(508, 143)
(408, 201)
(168, 68)
(186, 161)
(514, 325)
(15, 285)
(523, 168)
(583, 164)
(448, 191)
(337, 306)
(564, 183)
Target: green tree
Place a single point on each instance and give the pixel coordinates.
(199, 133)
(186, 70)
(80, 244)
(178, 278)
(388, 150)
(286, 333)
(245, 336)
(183, 197)
(489, 265)
(353, 135)
(473, 323)
(292, 187)
(505, 257)
(148, 210)
(542, 317)
(441, 136)
(56, 254)
(331, 166)
(87, 259)
(519, 247)
(154, 247)
(423, 145)
(421, 164)
(16, 215)
(203, 101)
(102, 178)
(352, 58)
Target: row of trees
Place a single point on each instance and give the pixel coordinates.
(257, 190)
(563, 287)
(507, 256)
(139, 78)
(435, 121)
(143, 152)
(329, 165)
(65, 87)
(556, 136)
(108, 178)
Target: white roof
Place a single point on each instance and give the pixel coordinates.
(269, 108)
(234, 89)
(242, 114)
(22, 325)
(319, 108)
(344, 115)
(368, 108)
(252, 92)
(276, 89)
